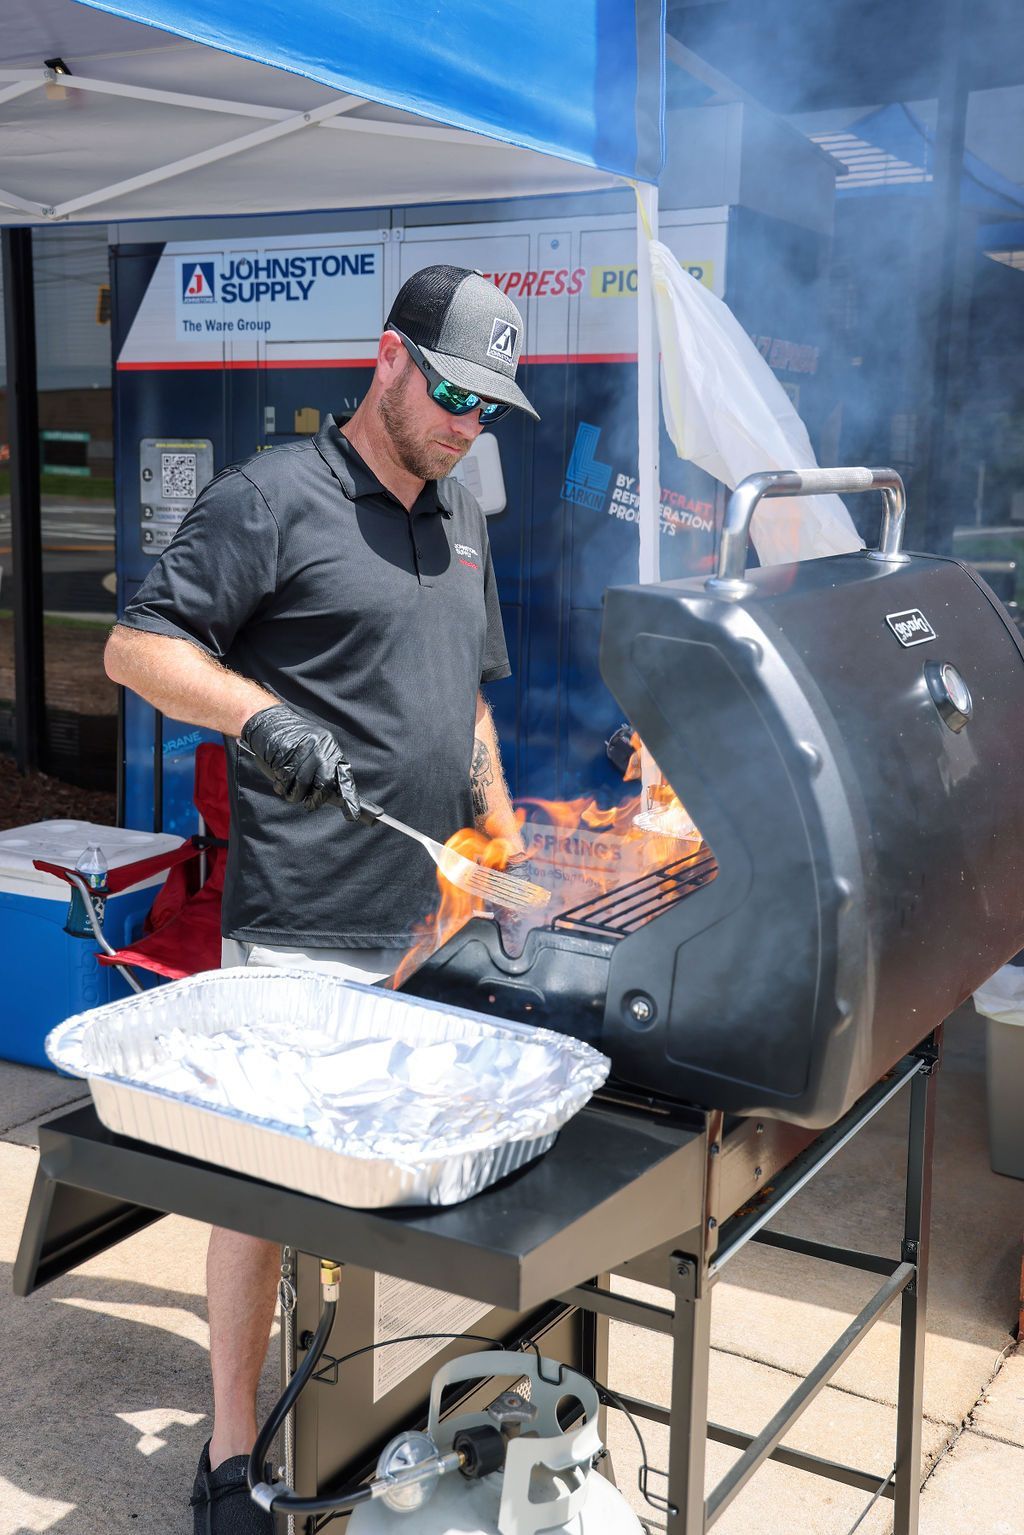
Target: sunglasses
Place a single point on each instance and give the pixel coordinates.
(456, 401)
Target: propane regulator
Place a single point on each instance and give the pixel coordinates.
(511, 1469)
(521, 1472)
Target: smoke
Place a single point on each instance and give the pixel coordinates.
(915, 321)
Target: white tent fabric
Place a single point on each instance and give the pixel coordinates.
(726, 412)
(151, 126)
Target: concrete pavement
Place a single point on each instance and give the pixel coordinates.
(774, 1315)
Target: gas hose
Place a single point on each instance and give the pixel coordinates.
(476, 1452)
(283, 1499)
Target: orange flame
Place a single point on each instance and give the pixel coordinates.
(633, 767)
(560, 861)
(456, 906)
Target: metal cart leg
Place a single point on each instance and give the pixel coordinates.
(593, 1362)
(691, 1354)
(594, 1338)
(920, 1139)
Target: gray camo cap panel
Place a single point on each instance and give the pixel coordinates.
(483, 325)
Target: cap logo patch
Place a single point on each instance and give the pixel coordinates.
(504, 337)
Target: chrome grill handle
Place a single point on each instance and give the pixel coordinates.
(730, 578)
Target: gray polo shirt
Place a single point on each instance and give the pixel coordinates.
(299, 570)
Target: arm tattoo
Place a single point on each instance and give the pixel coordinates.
(481, 777)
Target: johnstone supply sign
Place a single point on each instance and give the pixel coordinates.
(315, 300)
(297, 294)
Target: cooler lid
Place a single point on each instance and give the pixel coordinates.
(64, 842)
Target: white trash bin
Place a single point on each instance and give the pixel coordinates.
(1001, 1003)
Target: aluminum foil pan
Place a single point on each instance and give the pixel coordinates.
(361, 1096)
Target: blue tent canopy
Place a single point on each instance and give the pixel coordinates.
(584, 82)
(908, 145)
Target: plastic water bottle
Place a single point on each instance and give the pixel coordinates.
(92, 869)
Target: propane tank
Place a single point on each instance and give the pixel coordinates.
(546, 1482)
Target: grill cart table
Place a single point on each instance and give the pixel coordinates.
(639, 1188)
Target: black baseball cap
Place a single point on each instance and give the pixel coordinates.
(466, 328)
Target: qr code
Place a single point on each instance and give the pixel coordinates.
(178, 477)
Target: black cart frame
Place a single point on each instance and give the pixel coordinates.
(652, 1191)
(693, 1268)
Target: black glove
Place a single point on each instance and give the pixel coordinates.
(302, 760)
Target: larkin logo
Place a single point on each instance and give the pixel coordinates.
(586, 477)
(910, 627)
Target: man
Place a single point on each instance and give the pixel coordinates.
(330, 607)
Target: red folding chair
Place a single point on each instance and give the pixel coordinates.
(182, 931)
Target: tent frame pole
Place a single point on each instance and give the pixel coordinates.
(18, 87)
(23, 81)
(31, 80)
(26, 527)
(293, 124)
(648, 391)
(21, 204)
(281, 122)
(951, 256)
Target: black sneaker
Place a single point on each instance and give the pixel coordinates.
(221, 1503)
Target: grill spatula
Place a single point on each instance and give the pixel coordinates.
(494, 885)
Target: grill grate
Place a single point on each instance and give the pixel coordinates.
(628, 907)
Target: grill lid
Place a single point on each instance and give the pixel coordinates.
(868, 834)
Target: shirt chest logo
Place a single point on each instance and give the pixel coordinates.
(468, 556)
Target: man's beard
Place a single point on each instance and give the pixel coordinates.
(425, 459)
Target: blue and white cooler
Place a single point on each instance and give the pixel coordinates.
(45, 974)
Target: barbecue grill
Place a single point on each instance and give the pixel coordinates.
(847, 734)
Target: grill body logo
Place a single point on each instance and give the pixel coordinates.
(586, 478)
(910, 627)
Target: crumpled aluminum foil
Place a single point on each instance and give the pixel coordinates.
(362, 1096)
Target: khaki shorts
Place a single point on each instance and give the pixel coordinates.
(366, 965)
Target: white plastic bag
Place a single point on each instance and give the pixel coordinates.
(727, 413)
(1002, 996)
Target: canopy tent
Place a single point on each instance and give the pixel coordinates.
(476, 100)
(154, 108)
(134, 109)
